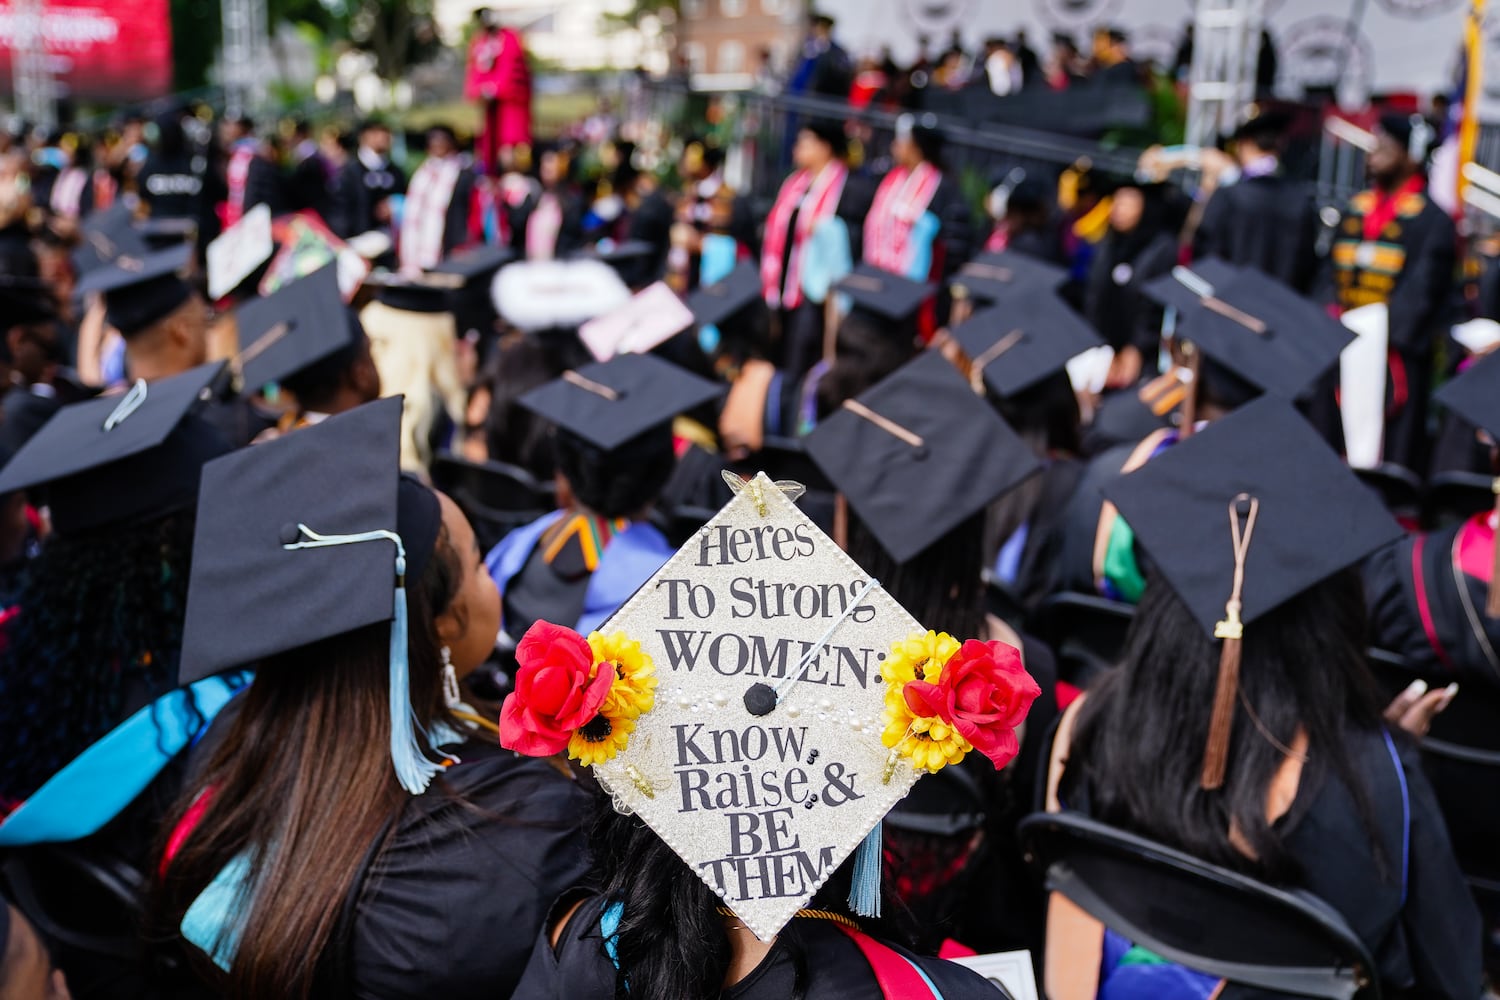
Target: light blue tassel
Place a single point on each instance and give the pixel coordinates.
(414, 769)
(864, 894)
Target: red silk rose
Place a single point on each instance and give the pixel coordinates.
(554, 694)
(983, 692)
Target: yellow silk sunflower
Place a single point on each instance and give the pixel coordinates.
(634, 690)
(929, 743)
(601, 738)
(918, 657)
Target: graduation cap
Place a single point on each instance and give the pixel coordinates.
(1014, 345)
(552, 294)
(308, 537)
(1243, 517)
(610, 403)
(106, 235)
(1262, 125)
(122, 458)
(292, 329)
(140, 291)
(469, 268)
(653, 316)
(804, 667)
(918, 454)
(236, 254)
(716, 304)
(1254, 326)
(1412, 131)
(628, 257)
(1475, 396)
(993, 275)
(163, 232)
(24, 300)
(889, 296)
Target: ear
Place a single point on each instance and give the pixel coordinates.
(452, 624)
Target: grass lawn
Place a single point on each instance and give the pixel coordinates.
(550, 112)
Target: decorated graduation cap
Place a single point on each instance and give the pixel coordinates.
(292, 329)
(1475, 396)
(1029, 336)
(1242, 518)
(554, 294)
(718, 303)
(653, 316)
(141, 291)
(992, 275)
(761, 703)
(121, 459)
(236, 254)
(306, 538)
(611, 403)
(918, 454)
(889, 296)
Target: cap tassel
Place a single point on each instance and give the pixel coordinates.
(414, 769)
(1231, 631)
(1190, 397)
(1492, 601)
(864, 893)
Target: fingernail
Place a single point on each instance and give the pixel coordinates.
(1415, 689)
(1448, 694)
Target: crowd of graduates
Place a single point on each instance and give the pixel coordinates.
(244, 757)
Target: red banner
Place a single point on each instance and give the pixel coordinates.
(99, 50)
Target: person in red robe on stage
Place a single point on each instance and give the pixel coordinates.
(499, 79)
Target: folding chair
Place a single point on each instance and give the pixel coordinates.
(1199, 915)
(1087, 632)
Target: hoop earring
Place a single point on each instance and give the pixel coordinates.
(452, 696)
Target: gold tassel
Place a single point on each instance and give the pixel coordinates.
(1231, 632)
(1221, 722)
(1492, 602)
(1190, 396)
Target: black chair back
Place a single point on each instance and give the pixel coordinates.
(1087, 632)
(1199, 915)
(1457, 496)
(497, 498)
(1399, 488)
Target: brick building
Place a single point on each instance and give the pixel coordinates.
(723, 41)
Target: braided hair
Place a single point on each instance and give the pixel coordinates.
(97, 635)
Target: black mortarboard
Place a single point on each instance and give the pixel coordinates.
(715, 304)
(1412, 131)
(1262, 125)
(919, 453)
(618, 254)
(1256, 327)
(415, 295)
(1475, 395)
(992, 275)
(295, 327)
(164, 232)
(121, 458)
(105, 236)
(887, 295)
(251, 597)
(1028, 336)
(25, 299)
(612, 402)
(140, 291)
(468, 268)
(1314, 516)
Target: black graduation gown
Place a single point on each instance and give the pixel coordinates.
(1423, 570)
(569, 234)
(1270, 223)
(835, 969)
(264, 185)
(354, 193)
(1411, 268)
(1113, 302)
(172, 186)
(651, 222)
(1430, 940)
(452, 904)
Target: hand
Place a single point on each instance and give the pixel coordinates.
(1414, 709)
(1125, 369)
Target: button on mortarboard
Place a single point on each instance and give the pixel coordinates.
(1028, 335)
(1314, 517)
(292, 329)
(123, 457)
(887, 295)
(713, 305)
(613, 402)
(918, 454)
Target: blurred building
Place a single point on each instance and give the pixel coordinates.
(726, 44)
(567, 34)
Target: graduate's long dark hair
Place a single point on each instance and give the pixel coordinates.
(672, 943)
(942, 586)
(302, 781)
(97, 633)
(1137, 749)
